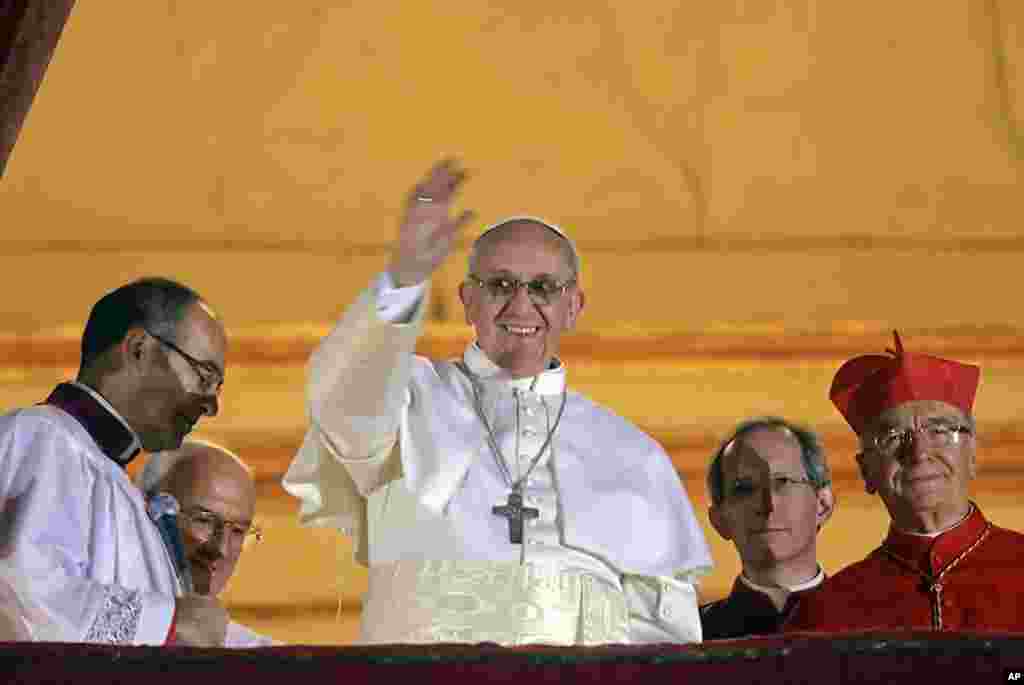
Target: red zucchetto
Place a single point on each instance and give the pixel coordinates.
(866, 386)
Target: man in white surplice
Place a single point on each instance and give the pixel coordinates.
(491, 503)
(80, 559)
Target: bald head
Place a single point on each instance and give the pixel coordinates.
(517, 228)
(217, 495)
(173, 470)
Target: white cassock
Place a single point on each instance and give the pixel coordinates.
(80, 560)
(397, 457)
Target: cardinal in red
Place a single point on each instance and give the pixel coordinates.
(943, 565)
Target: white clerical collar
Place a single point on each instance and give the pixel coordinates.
(109, 430)
(799, 587)
(937, 533)
(548, 382)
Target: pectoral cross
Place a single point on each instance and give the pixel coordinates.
(936, 590)
(515, 512)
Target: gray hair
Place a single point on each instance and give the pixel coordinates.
(811, 452)
(572, 258)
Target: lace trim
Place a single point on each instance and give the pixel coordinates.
(118, 620)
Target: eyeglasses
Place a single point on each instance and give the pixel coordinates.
(782, 486)
(211, 380)
(539, 290)
(207, 525)
(936, 434)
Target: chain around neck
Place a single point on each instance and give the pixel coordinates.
(492, 441)
(934, 582)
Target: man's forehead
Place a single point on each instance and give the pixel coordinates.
(203, 306)
(225, 494)
(205, 465)
(918, 410)
(767, 449)
(518, 223)
(199, 316)
(203, 335)
(496, 244)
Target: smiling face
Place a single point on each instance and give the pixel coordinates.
(516, 333)
(169, 400)
(772, 523)
(211, 485)
(923, 486)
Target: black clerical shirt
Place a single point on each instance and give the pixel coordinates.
(747, 611)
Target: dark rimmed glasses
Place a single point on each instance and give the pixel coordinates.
(539, 290)
(939, 434)
(749, 489)
(211, 380)
(207, 525)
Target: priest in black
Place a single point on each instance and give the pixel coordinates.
(770, 495)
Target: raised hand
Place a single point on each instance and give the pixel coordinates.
(428, 232)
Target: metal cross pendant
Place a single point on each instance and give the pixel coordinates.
(515, 512)
(936, 590)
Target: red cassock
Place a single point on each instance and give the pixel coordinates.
(968, 578)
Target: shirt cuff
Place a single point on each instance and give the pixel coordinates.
(394, 304)
(662, 609)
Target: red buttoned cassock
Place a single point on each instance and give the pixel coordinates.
(967, 578)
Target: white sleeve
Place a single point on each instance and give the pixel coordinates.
(397, 305)
(47, 546)
(357, 386)
(358, 378)
(661, 609)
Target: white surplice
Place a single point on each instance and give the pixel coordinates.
(80, 559)
(397, 457)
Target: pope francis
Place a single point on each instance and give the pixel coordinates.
(490, 502)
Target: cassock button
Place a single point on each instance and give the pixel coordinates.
(666, 600)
